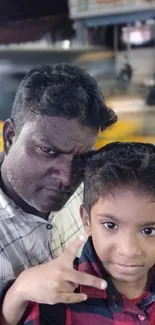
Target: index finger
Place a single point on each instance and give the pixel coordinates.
(85, 279)
(70, 253)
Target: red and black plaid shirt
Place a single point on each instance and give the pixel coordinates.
(102, 307)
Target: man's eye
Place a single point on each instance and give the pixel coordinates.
(48, 151)
(110, 225)
(148, 231)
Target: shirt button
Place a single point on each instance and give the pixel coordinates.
(141, 318)
(49, 226)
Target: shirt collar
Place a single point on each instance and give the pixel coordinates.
(90, 263)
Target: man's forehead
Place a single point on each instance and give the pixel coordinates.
(61, 142)
(57, 122)
(59, 128)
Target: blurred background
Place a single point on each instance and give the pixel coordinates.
(114, 40)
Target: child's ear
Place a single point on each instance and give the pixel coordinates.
(86, 220)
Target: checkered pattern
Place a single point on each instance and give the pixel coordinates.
(108, 307)
(31, 315)
(27, 240)
(102, 307)
(67, 223)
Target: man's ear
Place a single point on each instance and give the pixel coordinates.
(8, 135)
(86, 220)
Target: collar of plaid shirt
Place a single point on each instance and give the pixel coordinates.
(101, 306)
(107, 306)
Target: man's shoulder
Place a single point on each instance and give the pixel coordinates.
(5, 206)
(73, 204)
(7, 209)
(76, 198)
(67, 223)
(1, 156)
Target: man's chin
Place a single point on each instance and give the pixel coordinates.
(52, 207)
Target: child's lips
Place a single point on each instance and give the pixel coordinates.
(127, 268)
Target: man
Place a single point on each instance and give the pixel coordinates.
(56, 116)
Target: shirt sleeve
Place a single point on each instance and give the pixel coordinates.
(3, 291)
(7, 274)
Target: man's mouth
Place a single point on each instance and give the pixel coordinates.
(57, 191)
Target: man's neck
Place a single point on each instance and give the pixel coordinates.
(10, 192)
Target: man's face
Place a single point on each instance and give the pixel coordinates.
(39, 162)
(123, 233)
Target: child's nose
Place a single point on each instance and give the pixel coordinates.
(128, 246)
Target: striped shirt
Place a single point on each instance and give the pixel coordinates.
(27, 240)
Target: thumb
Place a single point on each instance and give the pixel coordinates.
(71, 251)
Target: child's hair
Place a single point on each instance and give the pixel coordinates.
(130, 165)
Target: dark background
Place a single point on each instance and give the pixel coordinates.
(30, 20)
(11, 10)
(17, 24)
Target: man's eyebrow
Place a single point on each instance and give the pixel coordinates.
(60, 150)
(83, 159)
(90, 153)
(52, 146)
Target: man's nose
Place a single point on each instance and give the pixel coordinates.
(63, 171)
(128, 246)
(65, 176)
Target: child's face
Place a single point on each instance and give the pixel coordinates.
(123, 233)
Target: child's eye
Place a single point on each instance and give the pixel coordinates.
(110, 225)
(148, 231)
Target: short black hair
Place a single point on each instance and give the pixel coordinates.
(61, 90)
(117, 165)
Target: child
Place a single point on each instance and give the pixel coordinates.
(119, 217)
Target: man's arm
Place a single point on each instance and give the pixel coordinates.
(7, 279)
(13, 306)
